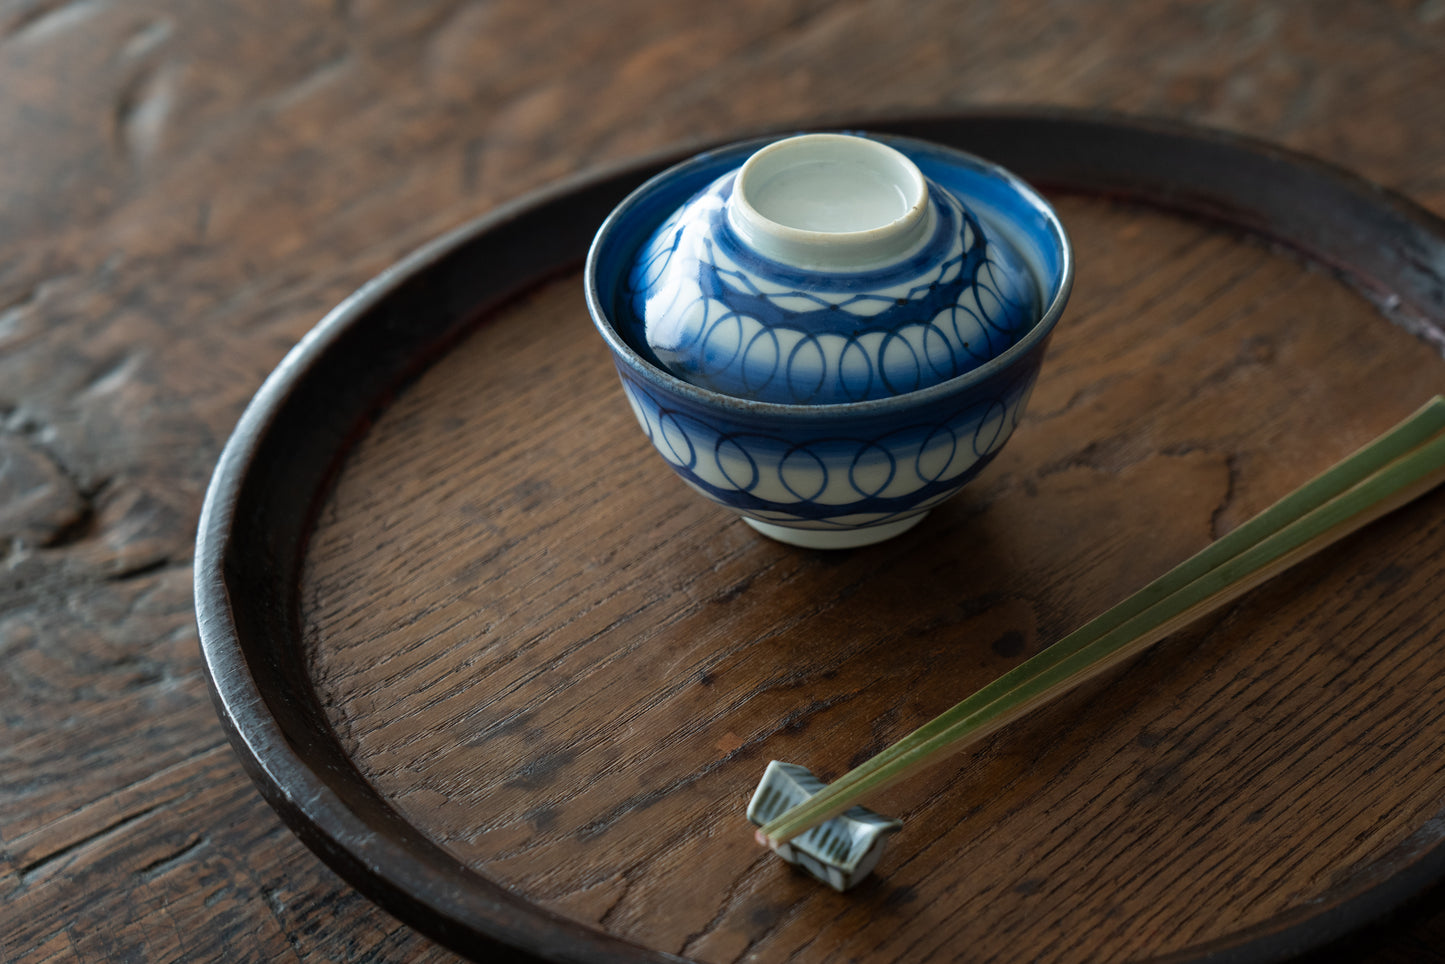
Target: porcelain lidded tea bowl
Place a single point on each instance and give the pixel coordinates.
(830, 333)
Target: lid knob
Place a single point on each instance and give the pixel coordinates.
(830, 202)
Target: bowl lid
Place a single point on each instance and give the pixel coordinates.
(826, 269)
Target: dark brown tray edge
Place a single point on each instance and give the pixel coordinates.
(249, 542)
(252, 537)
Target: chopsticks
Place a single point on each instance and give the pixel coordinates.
(1401, 465)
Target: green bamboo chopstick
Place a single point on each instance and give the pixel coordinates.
(1397, 467)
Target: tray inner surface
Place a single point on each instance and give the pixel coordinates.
(570, 671)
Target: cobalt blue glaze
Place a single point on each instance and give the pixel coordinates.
(717, 314)
(808, 470)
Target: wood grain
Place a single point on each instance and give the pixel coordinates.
(547, 653)
(187, 188)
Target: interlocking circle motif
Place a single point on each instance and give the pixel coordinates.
(831, 480)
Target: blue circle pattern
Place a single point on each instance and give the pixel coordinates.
(720, 316)
(823, 480)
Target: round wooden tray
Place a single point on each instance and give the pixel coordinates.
(504, 673)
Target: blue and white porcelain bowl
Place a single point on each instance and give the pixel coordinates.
(831, 333)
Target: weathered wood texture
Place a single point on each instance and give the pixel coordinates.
(186, 188)
(554, 658)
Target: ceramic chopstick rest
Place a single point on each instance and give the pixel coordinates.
(839, 852)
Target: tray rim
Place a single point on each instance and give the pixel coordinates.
(1269, 191)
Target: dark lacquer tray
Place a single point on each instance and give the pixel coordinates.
(498, 668)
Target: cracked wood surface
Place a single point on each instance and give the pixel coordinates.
(187, 188)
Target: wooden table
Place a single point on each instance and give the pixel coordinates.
(186, 188)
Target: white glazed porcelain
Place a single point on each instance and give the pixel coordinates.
(834, 400)
(827, 269)
(831, 202)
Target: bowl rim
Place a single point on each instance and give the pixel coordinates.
(625, 355)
